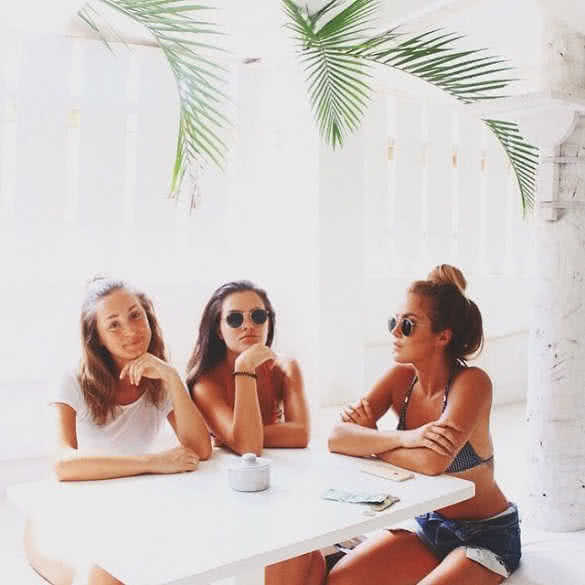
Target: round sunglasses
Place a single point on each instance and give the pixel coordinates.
(406, 325)
(235, 319)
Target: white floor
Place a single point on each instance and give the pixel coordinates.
(548, 558)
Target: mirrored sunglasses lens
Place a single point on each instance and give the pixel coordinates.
(259, 316)
(391, 324)
(235, 320)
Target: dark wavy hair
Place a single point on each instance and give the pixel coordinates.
(209, 349)
(452, 309)
(97, 374)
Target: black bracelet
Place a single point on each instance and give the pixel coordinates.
(250, 374)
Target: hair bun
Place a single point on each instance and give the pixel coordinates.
(447, 274)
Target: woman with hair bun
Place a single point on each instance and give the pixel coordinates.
(108, 413)
(443, 408)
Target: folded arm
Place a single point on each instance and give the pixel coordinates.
(431, 448)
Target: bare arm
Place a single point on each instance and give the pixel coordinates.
(354, 439)
(295, 431)
(239, 428)
(185, 418)
(357, 434)
(437, 443)
(72, 464)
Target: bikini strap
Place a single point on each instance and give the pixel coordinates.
(402, 417)
(458, 366)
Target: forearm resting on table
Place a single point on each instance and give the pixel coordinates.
(72, 465)
(287, 434)
(419, 459)
(353, 439)
(190, 426)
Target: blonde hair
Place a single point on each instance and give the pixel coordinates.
(97, 373)
(447, 274)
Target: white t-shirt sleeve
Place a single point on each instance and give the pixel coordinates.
(68, 391)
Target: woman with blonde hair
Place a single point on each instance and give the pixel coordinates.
(109, 412)
(443, 408)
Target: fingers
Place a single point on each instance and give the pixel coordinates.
(448, 424)
(190, 459)
(368, 409)
(351, 414)
(436, 447)
(439, 439)
(136, 370)
(124, 371)
(130, 370)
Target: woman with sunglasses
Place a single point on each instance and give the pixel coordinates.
(108, 413)
(251, 397)
(443, 410)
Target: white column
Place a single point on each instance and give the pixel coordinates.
(553, 119)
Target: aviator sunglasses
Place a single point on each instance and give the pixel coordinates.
(406, 325)
(236, 318)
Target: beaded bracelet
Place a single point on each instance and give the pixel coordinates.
(250, 374)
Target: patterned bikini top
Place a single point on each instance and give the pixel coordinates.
(467, 457)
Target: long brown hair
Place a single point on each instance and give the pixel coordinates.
(452, 309)
(209, 348)
(97, 371)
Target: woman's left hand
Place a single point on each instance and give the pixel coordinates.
(149, 366)
(360, 414)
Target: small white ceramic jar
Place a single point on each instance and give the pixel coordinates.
(250, 474)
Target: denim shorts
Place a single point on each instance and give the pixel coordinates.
(492, 542)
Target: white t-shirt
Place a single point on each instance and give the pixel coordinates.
(131, 432)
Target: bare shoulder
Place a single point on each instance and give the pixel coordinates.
(289, 367)
(473, 376)
(397, 379)
(389, 390)
(208, 384)
(473, 380)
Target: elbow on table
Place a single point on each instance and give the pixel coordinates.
(335, 438)
(62, 469)
(435, 466)
(241, 447)
(205, 451)
(303, 438)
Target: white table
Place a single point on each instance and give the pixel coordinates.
(193, 529)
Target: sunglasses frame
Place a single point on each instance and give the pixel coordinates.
(240, 314)
(407, 325)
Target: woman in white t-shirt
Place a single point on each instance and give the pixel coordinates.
(109, 412)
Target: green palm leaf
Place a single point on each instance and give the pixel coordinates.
(189, 45)
(522, 156)
(338, 88)
(432, 57)
(337, 57)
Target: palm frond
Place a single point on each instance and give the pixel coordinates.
(522, 156)
(337, 56)
(188, 43)
(469, 76)
(338, 88)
